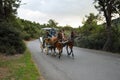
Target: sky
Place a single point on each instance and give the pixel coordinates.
(65, 12)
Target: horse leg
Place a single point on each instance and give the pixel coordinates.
(51, 50)
(72, 52)
(60, 52)
(67, 50)
(54, 51)
(59, 55)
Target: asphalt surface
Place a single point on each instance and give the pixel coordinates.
(87, 64)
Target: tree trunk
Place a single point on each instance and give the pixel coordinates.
(108, 44)
(1, 10)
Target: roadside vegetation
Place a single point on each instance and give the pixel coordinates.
(93, 36)
(18, 67)
(15, 61)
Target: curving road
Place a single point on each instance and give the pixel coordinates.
(87, 65)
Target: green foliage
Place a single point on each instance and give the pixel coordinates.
(109, 8)
(32, 30)
(91, 34)
(10, 40)
(28, 29)
(10, 30)
(52, 23)
(116, 35)
(8, 8)
(67, 28)
(95, 40)
(90, 25)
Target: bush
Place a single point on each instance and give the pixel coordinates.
(93, 41)
(25, 36)
(10, 40)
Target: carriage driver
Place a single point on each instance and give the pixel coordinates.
(59, 36)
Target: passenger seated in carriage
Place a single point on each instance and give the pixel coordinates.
(53, 32)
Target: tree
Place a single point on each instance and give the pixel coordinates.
(10, 37)
(1, 9)
(52, 23)
(91, 19)
(90, 24)
(108, 7)
(8, 8)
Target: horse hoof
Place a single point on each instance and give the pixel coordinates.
(59, 57)
(69, 54)
(73, 55)
(53, 54)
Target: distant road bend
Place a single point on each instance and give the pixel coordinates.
(87, 65)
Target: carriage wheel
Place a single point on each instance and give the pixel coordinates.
(41, 43)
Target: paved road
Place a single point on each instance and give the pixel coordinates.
(87, 65)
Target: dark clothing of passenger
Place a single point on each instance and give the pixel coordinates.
(52, 32)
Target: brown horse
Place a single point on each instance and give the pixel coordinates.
(54, 44)
(49, 43)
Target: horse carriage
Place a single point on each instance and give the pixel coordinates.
(54, 42)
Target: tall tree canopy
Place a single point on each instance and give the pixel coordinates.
(108, 7)
(52, 23)
(8, 8)
(90, 24)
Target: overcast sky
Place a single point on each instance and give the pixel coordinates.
(65, 12)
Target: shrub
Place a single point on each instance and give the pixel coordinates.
(25, 36)
(10, 40)
(93, 41)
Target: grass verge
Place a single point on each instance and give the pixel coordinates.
(18, 67)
